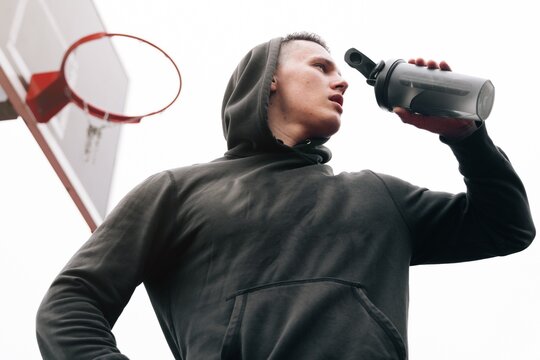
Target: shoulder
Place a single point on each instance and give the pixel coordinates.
(371, 176)
(381, 184)
(194, 171)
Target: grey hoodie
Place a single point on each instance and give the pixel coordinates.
(265, 253)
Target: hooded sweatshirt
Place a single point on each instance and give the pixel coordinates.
(265, 253)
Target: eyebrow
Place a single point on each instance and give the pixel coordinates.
(327, 61)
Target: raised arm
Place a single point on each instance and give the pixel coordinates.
(491, 219)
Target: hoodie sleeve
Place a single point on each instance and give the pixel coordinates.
(491, 219)
(75, 318)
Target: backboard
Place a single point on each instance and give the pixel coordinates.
(34, 34)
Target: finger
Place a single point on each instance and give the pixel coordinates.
(403, 113)
(432, 64)
(408, 117)
(420, 62)
(444, 66)
(399, 111)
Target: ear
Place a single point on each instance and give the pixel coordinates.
(273, 85)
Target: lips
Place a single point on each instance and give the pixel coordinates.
(337, 99)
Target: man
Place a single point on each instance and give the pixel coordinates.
(265, 253)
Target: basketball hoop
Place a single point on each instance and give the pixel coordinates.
(50, 92)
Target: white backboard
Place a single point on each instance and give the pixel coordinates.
(34, 34)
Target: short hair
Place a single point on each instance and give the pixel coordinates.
(304, 35)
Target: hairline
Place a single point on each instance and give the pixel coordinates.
(289, 40)
(304, 36)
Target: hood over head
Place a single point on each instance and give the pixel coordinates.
(244, 110)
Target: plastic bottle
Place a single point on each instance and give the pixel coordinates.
(425, 91)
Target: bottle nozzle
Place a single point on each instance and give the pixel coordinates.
(361, 63)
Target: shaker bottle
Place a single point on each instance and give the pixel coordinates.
(425, 91)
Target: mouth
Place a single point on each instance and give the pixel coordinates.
(337, 99)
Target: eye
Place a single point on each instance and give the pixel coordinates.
(320, 66)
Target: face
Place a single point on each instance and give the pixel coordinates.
(307, 90)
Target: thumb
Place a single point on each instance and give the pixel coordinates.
(420, 121)
(403, 113)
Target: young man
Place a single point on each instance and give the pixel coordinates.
(265, 253)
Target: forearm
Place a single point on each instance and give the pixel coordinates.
(497, 200)
(71, 326)
(76, 316)
(491, 219)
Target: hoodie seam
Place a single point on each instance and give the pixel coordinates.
(396, 205)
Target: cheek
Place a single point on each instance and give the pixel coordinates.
(300, 94)
(302, 85)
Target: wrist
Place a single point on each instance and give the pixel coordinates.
(457, 133)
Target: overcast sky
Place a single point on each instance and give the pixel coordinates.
(481, 310)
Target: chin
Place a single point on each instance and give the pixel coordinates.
(332, 127)
(328, 129)
(323, 126)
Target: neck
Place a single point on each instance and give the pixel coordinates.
(289, 133)
(284, 135)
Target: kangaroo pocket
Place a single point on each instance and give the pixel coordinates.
(309, 319)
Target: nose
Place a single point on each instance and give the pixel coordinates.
(340, 84)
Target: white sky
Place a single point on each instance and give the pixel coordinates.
(482, 310)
